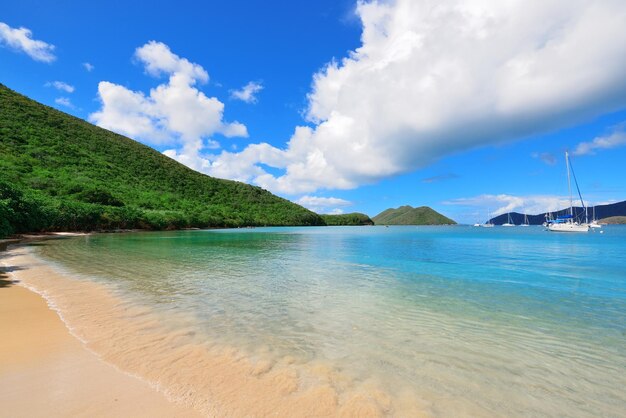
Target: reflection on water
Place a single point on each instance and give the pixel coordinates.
(462, 321)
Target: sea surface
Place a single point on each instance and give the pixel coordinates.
(444, 321)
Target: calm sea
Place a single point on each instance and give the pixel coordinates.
(464, 321)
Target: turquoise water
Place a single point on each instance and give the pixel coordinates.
(469, 321)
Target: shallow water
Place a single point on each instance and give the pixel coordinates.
(445, 321)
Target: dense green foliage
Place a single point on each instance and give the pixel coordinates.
(58, 172)
(18, 213)
(347, 219)
(407, 215)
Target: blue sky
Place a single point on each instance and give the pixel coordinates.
(463, 107)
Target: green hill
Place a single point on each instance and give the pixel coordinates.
(58, 172)
(614, 220)
(347, 219)
(407, 215)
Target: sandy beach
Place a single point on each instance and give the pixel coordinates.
(50, 371)
(47, 372)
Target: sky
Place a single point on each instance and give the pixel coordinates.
(341, 106)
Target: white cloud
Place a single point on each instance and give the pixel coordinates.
(318, 204)
(248, 92)
(335, 211)
(174, 113)
(433, 78)
(615, 139)
(61, 85)
(64, 101)
(21, 40)
(494, 205)
(89, 67)
(603, 202)
(158, 59)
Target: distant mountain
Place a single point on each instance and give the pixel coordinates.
(602, 211)
(58, 172)
(347, 219)
(407, 215)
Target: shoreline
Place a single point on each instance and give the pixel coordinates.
(47, 371)
(168, 343)
(172, 367)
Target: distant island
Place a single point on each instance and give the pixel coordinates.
(602, 213)
(347, 219)
(407, 215)
(60, 173)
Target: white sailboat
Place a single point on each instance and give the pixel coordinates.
(567, 223)
(509, 222)
(594, 222)
(548, 220)
(525, 221)
(488, 224)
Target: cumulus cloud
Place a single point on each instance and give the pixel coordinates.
(159, 60)
(495, 205)
(432, 78)
(247, 93)
(64, 101)
(21, 39)
(330, 205)
(87, 66)
(61, 85)
(615, 139)
(174, 113)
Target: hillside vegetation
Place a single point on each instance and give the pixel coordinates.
(347, 219)
(407, 215)
(614, 220)
(58, 172)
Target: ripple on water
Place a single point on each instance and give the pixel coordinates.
(397, 321)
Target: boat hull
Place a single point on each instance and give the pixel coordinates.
(568, 227)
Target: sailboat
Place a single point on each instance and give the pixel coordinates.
(548, 220)
(594, 222)
(567, 223)
(525, 221)
(488, 224)
(509, 222)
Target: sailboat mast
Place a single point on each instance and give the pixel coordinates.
(569, 184)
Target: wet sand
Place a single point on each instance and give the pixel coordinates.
(47, 372)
